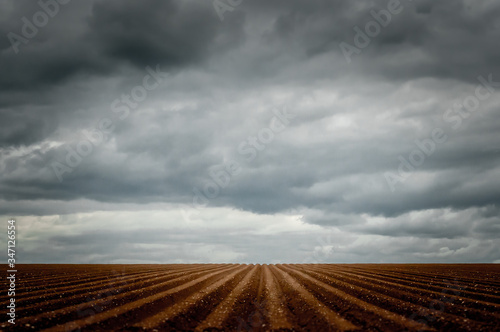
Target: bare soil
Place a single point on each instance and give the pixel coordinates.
(234, 297)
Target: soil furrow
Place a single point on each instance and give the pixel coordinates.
(318, 308)
(233, 297)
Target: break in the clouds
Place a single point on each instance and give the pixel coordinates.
(251, 131)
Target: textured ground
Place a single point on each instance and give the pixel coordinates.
(256, 297)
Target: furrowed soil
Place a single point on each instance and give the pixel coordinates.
(240, 297)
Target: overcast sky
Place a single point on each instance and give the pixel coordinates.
(251, 131)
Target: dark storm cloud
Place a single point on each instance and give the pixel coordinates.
(51, 54)
(93, 39)
(96, 36)
(172, 33)
(445, 39)
(23, 127)
(439, 224)
(353, 122)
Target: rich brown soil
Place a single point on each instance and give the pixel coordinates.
(232, 297)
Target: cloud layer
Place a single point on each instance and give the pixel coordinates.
(206, 134)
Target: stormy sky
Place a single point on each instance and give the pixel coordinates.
(251, 131)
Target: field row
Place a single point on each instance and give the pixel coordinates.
(235, 297)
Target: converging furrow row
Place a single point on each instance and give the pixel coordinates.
(240, 297)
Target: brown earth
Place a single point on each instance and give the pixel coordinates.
(232, 297)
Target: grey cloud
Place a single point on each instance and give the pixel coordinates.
(172, 33)
(187, 245)
(352, 121)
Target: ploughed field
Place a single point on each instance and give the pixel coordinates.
(233, 297)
